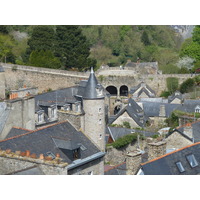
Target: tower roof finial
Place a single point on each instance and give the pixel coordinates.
(92, 71)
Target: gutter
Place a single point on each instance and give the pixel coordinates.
(80, 162)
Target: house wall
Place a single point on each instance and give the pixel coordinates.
(175, 140)
(158, 121)
(96, 167)
(176, 101)
(125, 118)
(74, 119)
(22, 114)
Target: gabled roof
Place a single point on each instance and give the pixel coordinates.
(152, 109)
(134, 111)
(41, 141)
(166, 164)
(189, 105)
(175, 95)
(15, 131)
(117, 132)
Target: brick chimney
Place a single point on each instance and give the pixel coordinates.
(187, 130)
(133, 161)
(156, 149)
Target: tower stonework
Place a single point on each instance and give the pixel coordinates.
(94, 107)
(2, 83)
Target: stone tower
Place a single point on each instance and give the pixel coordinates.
(94, 107)
(2, 83)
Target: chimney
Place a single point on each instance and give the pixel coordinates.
(156, 149)
(133, 161)
(187, 130)
(162, 112)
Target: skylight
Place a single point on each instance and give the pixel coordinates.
(180, 167)
(192, 160)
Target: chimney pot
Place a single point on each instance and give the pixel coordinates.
(48, 158)
(8, 151)
(27, 153)
(33, 155)
(23, 154)
(41, 156)
(57, 155)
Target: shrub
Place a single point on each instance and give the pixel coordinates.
(172, 84)
(165, 94)
(126, 125)
(187, 85)
(123, 141)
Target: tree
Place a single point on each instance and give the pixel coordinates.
(145, 38)
(3, 29)
(186, 62)
(72, 47)
(41, 58)
(172, 84)
(6, 45)
(196, 34)
(42, 38)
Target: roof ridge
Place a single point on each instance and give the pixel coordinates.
(184, 125)
(115, 166)
(32, 131)
(170, 153)
(16, 127)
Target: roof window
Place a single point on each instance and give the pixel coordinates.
(180, 167)
(192, 160)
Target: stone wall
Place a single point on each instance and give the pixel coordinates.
(73, 118)
(16, 76)
(14, 162)
(2, 85)
(177, 141)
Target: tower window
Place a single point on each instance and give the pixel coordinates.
(100, 122)
(100, 136)
(99, 109)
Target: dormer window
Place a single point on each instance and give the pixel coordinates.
(99, 90)
(197, 109)
(40, 117)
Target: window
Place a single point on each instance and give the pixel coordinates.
(192, 160)
(100, 121)
(75, 154)
(180, 167)
(40, 118)
(99, 110)
(100, 136)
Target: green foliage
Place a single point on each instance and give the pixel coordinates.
(196, 34)
(155, 136)
(44, 59)
(123, 141)
(172, 84)
(165, 94)
(126, 125)
(145, 38)
(187, 85)
(173, 120)
(72, 47)
(3, 29)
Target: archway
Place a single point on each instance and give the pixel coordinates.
(112, 90)
(123, 90)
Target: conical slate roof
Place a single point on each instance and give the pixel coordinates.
(91, 87)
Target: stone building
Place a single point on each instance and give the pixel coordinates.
(2, 83)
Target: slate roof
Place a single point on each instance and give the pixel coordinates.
(134, 111)
(115, 170)
(175, 95)
(117, 132)
(166, 164)
(189, 105)
(16, 131)
(152, 109)
(144, 88)
(28, 171)
(91, 86)
(41, 141)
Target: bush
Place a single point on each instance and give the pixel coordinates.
(123, 141)
(173, 120)
(165, 94)
(126, 125)
(187, 85)
(172, 84)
